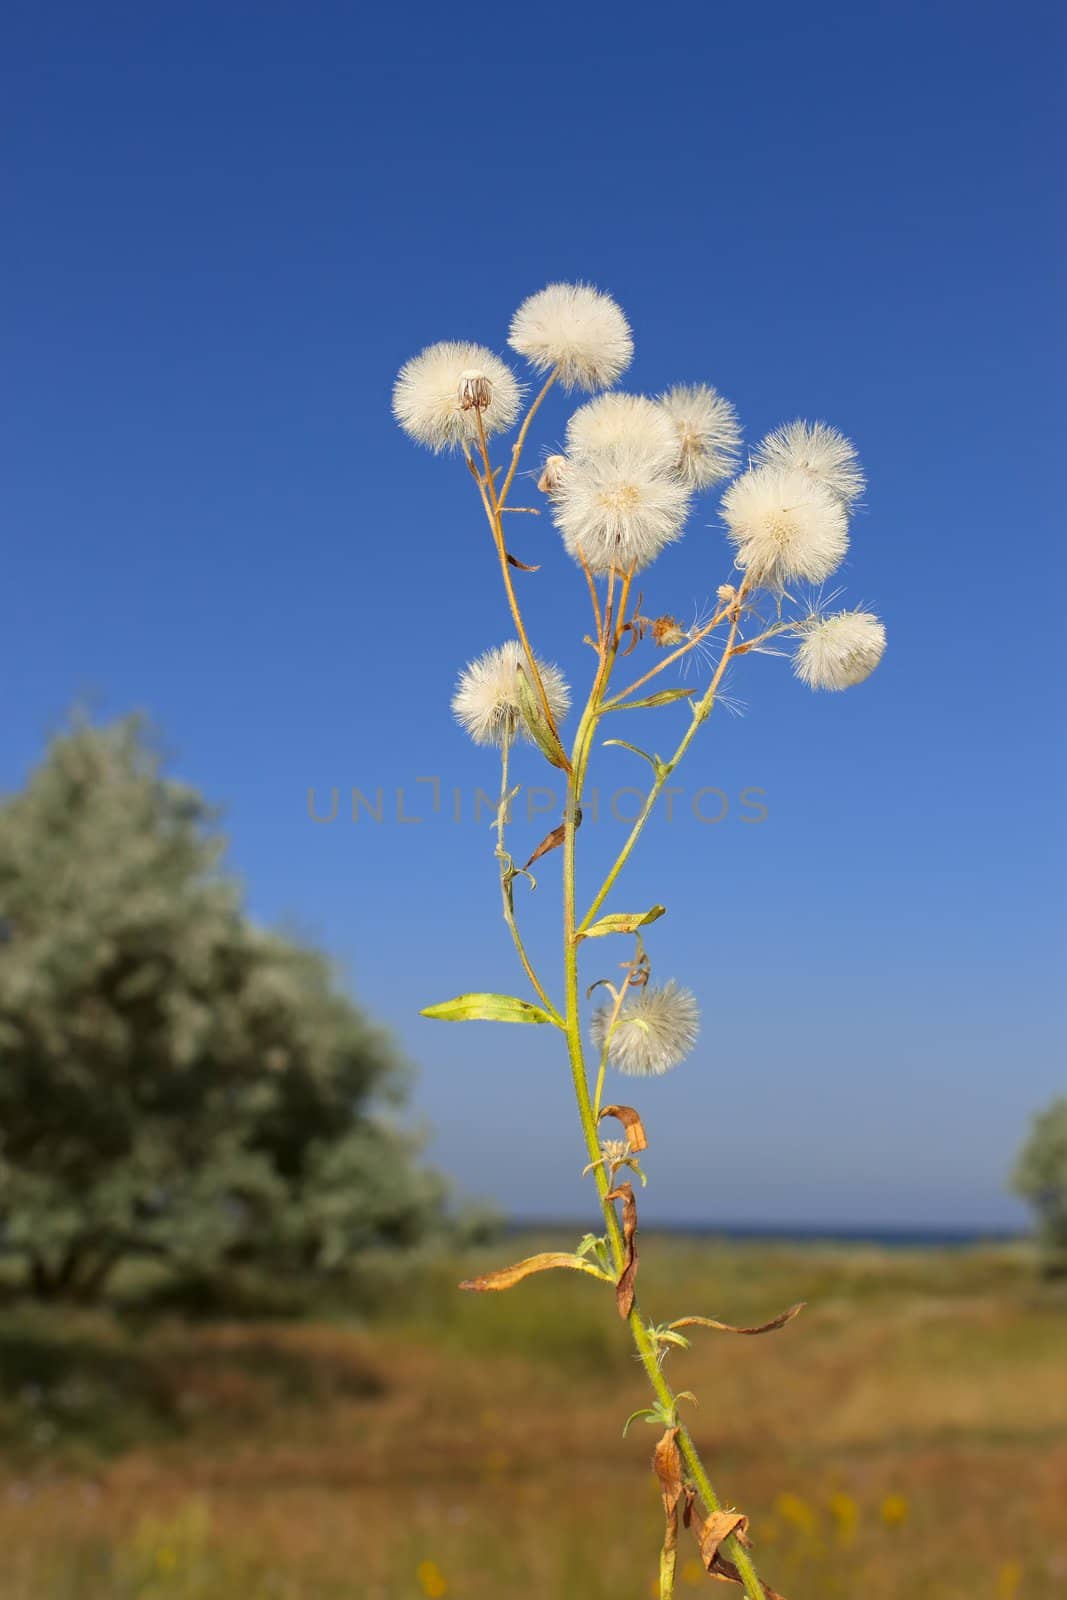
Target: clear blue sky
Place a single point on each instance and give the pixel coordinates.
(227, 226)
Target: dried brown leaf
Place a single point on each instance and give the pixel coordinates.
(668, 1464)
(624, 1289)
(552, 841)
(504, 1277)
(712, 1534)
(513, 561)
(728, 1327)
(635, 1128)
(716, 1529)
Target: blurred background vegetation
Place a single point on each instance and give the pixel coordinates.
(233, 1359)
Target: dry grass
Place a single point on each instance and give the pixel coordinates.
(906, 1437)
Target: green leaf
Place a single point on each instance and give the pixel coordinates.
(665, 697)
(653, 761)
(623, 922)
(595, 1245)
(485, 1008)
(646, 1412)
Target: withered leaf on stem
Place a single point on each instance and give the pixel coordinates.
(624, 1289)
(728, 1327)
(668, 1464)
(718, 1527)
(504, 1277)
(635, 1128)
(552, 841)
(513, 561)
(712, 1534)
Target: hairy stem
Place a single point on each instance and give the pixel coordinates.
(516, 449)
(643, 1342)
(507, 876)
(493, 505)
(700, 712)
(676, 655)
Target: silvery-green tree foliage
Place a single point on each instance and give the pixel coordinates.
(174, 1081)
(1040, 1178)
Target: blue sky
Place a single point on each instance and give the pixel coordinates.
(225, 230)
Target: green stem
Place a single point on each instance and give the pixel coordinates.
(507, 876)
(643, 1342)
(700, 713)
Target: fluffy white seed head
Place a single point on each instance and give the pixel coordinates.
(786, 525)
(440, 393)
(575, 328)
(552, 474)
(656, 1030)
(707, 433)
(486, 701)
(839, 651)
(626, 421)
(818, 449)
(619, 508)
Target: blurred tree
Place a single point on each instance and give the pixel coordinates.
(1040, 1177)
(173, 1080)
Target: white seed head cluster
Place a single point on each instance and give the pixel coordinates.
(818, 449)
(656, 1030)
(628, 421)
(440, 394)
(839, 651)
(486, 701)
(576, 329)
(618, 508)
(786, 525)
(707, 433)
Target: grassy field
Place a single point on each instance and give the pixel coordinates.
(905, 1437)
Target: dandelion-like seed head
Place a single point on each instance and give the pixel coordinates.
(706, 431)
(656, 1029)
(577, 330)
(552, 474)
(486, 701)
(838, 651)
(625, 422)
(440, 394)
(619, 508)
(818, 449)
(786, 525)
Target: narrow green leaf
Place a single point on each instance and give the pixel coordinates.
(665, 697)
(485, 1008)
(623, 922)
(646, 1412)
(653, 761)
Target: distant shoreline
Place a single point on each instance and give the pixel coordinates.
(792, 1233)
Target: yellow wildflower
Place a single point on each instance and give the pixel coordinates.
(894, 1510)
(431, 1580)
